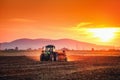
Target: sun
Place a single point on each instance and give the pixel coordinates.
(104, 34)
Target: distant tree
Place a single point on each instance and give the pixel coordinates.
(16, 48)
(93, 49)
(11, 50)
(29, 49)
(5, 49)
(65, 49)
(0, 46)
(40, 48)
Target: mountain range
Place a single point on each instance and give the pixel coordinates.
(26, 43)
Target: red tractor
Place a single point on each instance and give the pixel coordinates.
(49, 54)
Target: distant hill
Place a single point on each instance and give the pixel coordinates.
(60, 43)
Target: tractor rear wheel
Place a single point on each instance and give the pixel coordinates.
(42, 57)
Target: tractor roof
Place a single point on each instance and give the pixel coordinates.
(50, 46)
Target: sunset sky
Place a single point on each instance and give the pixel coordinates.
(83, 20)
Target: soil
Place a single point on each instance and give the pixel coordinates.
(85, 68)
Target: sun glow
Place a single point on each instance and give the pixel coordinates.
(104, 34)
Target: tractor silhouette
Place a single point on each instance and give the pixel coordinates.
(49, 54)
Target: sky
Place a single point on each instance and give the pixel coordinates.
(57, 19)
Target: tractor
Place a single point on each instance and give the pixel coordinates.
(49, 54)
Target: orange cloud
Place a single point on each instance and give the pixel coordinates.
(22, 20)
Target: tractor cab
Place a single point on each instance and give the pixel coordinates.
(49, 48)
